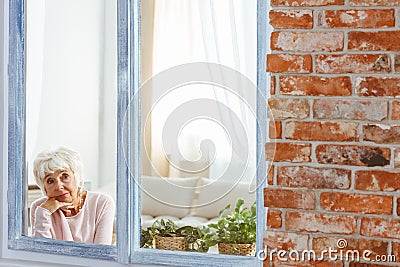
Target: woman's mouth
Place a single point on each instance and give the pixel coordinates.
(63, 195)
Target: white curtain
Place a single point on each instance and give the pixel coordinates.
(214, 31)
(34, 76)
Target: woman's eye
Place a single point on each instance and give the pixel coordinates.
(65, 176)
(49, 181)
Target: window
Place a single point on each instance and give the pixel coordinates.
(128, 152)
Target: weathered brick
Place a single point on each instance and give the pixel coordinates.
(306, 2)
(358, 203)
(398, 207)
(285, 108)
(274, 218)
(350, 109)
(360, 264)
(370, 18)
(288, 152)
(379, 227)
(382, 134)
(275, 129)
(397, 63)
(353, 155)
(315, 86)
(366, 63)
(377, 180)
(397, 158)
(374, 41)
(321, 131)
(310, 177)
(378, 86)
(272, 85)
(291, 19)
(395, 251)
(377, 247)
(374, 2)
(320, 223)
(307, 41)
(285, 241)
(270, 175)
(396, 110)
(289, 63)
(287, 262)
(283, 198)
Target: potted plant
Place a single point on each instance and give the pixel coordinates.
(234, 233)
(165, 234)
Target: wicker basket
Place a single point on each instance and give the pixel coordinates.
(170, 243)
(237, 249)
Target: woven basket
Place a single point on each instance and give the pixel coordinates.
(170, 243)
(237, 249)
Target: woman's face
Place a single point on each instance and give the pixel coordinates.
(61, 185)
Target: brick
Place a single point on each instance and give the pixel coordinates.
(285, 108)
(378, 86)
(379, 227)
(272, 85)
(274, 218)
(353, 155)
(284, 198)
(320, 223)
(291, 19)
(398, 207)
(376, 180)
(307, 41)
(315, 86)
(359, 264)
(370, 18)
(306, 2)
(297, 263)
(289, 152)
(374, 41)
(275, 129)
(382, 134)
(289, 63)
(377, 247)
(396, 251)
(350, 109)
(397, 63)
(322, 131)
(270, 175)
(358, 203)
(310, 177)
(397, 158)
(285, 241)
(366, 63)
(396, 110)
(375, 2)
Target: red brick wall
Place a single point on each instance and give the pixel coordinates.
(335, 150)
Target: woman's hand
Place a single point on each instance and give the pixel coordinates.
(52, 205)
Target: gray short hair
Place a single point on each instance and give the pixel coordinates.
(52, 160)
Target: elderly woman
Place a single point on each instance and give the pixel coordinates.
(68, 211)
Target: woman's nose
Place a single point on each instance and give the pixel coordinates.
(59, 184)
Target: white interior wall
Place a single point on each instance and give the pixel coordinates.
(73, 84)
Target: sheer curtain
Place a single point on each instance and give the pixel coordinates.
(214, 31)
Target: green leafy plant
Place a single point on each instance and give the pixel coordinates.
(237, 227)
(167, 228)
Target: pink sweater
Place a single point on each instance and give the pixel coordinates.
(93, 223)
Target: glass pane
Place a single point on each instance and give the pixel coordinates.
(71, 99)
(198, 98)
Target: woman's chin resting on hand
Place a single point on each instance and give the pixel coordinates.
(68, 211)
